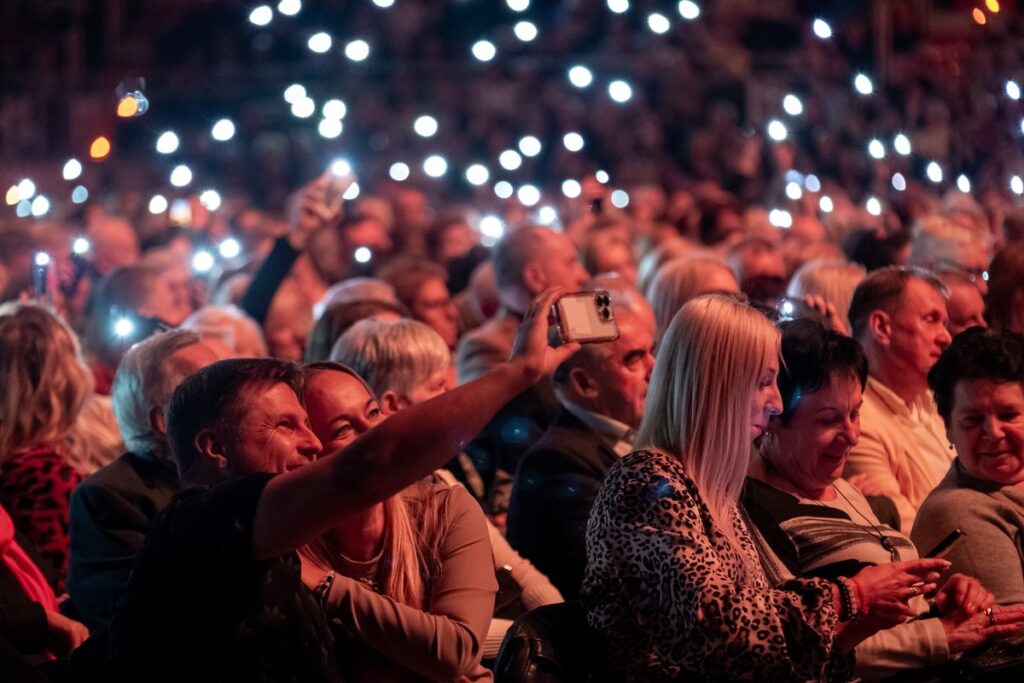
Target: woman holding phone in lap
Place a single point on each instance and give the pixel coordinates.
(809, 522)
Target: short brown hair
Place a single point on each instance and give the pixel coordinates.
(883, 289)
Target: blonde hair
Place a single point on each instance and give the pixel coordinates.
(677, 282)
(45, 383)
(413, 524)
(834, 281)
(698, 405)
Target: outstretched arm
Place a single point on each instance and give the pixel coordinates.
(300, 505)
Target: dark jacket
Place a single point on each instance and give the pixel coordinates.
(110, 514)
(554, 489)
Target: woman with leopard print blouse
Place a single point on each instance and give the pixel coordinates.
(673, 585)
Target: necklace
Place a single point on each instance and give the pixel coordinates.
(884, 541)
(894, 553)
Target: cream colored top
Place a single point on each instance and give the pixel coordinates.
(903, 448)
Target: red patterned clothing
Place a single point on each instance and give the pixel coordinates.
(35, 489)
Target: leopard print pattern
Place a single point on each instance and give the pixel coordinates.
(35, 489)
(671, 599)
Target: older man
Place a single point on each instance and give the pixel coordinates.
(111, 510)
(899, 317)
(216, 592)
(526, 262)
(601, 390)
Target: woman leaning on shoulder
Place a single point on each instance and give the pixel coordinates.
(673, 585)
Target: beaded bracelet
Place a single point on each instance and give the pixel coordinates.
(846, 610)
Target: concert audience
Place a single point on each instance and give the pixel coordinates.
(421, 287)
(601, 390)
(899, 317)
(812, 523)
(526, 262)
(673, 583)
(216, 592)
(112, 509)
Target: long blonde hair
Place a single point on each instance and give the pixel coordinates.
(45, 383)
(698, 404)
(413, 530)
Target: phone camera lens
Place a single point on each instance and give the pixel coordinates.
(605, 314)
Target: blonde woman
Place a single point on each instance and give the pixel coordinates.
(405, 363)
(410, 579)
(45, 384)
(684, 278)
(673, 585)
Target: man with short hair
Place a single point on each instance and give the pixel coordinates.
(899, 317)
(601, 389)
(526, 262)
(216, 592)
(112, 509)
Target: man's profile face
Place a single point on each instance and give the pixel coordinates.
(273, 434)
(560, 263)
(919, 333)
(623, 377)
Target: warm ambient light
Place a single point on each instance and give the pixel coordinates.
(127, 107)
(100, 148)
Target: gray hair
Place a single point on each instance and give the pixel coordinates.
(145, 380)
(937, 241)
(397, 355)
(229, 324)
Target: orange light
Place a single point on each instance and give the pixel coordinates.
(993, 6)
(127, 107)
(100, 148)
(979, 17)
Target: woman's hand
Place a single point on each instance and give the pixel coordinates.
(531, 348)
(827, 311)
(966, 633)
(65, 634)
(963, 595)
(887, 589)
(311, 210)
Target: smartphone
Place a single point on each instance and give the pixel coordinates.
(339, 180)
(945, 544)
(40, 273)
(586, 317)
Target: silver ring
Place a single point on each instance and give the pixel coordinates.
(991, 616)
(914, 590)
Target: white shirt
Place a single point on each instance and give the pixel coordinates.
(619, 434)
(903, 448)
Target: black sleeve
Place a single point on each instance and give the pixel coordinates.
(22, 621)
(268, 278)
(547, 516)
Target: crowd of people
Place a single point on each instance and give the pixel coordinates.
(351, 448)
(265, 473)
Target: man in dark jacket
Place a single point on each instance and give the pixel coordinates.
(111, 510)
(601, 390)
